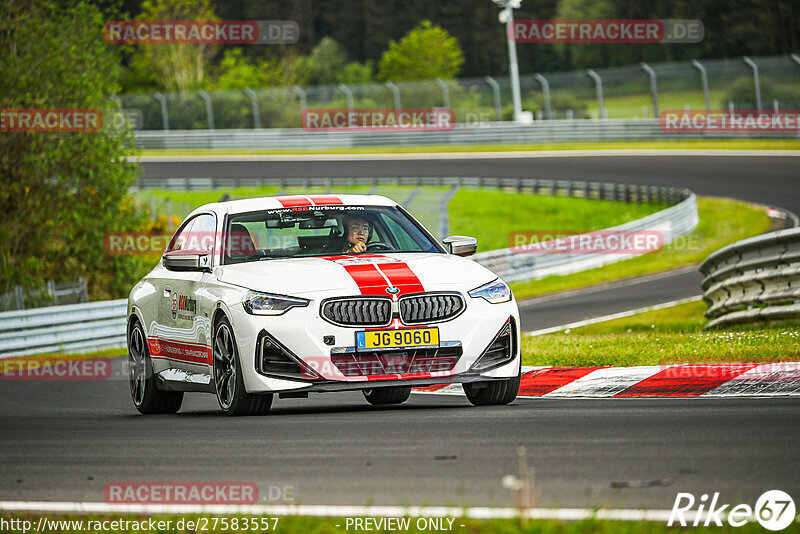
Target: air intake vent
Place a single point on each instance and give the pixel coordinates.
(358, 311)
(274, 359)
(429, 308)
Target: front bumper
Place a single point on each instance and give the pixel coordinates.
(303, 332)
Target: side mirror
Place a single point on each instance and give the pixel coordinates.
(187, 261)
(461, 245)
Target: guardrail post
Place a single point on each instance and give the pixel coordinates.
(497, 101)
(795, 58)
(395, 96)
(254, 100)
(445, 92)
(209, 110)
(164, 112)
(349, 95)
(51, 290)
(653, 86)
(598, 86)
(83, 296)
(756, 83)
(302, 95)
(704, 80)
(548, 108)
(586, 192)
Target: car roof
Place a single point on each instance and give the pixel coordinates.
(287, 201)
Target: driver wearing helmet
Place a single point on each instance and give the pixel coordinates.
(357, 232)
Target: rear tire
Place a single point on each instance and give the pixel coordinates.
(228, 379)
(146, 396)
(496, 392)
(390, 395)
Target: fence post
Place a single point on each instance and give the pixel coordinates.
(598, 85)
(83, 296)
(170, 226)
(704, 80)
(756, 82)
(164, 112)
(548, 108)
(653, 86)
(19, 296)
(497, 102)
(51, 290)
(256, 115)
(395, 96)
(445, 92)
(349, 95)
(209, 110)
(302, 94)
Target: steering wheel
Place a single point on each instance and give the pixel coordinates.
(379, 246)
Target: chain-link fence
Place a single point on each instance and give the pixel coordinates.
(52, 294)
(629, 92)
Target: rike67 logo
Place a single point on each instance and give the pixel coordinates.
(774, 510)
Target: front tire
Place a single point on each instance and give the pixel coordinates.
(497, 392)
(228, 379)
(390, 395)
(146, 396)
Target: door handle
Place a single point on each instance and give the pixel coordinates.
(167, 291)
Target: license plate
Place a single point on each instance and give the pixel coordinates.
(406, 338)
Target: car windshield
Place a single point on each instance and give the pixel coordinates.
(321, 231)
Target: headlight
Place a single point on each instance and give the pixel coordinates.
(256, 303)
(495, 292)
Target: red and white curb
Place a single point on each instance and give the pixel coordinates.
(692, 380)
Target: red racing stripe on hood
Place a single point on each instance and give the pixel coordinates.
(374, 278)
(402, 277)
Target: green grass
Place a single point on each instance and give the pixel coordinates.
(491, 215)
(666, 336)
(677, 143)
(722, 221)
(488, 215)
(328, 525)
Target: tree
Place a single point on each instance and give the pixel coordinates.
(180, 66)
(328, 64)
(62, 192)
(426, 52)
(236, 71)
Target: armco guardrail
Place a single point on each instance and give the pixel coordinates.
(463, 134)
(757, 279)
(76, 327)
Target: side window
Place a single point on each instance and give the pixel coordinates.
(197, 236)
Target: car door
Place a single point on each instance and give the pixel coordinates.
(185, 324)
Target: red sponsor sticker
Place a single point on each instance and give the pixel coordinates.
(743, 120)
(181, 493)
(50, 120)
(377, 119)
(54, 369)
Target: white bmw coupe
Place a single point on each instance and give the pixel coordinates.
(290, 295)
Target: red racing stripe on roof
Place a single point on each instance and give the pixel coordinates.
(292, 201)
(686, 380)
(319, 200)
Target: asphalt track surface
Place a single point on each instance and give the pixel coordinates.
(65, 440)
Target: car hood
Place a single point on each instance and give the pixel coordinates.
(372, 274)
